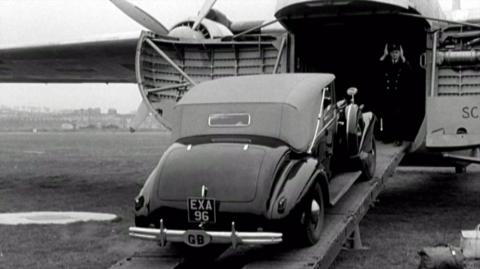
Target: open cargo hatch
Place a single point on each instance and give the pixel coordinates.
(347, 38)
(453, 90)
(160, 77)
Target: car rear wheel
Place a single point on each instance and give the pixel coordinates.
(310, 218)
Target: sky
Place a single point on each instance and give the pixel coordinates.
(27, 22)
(465, 4)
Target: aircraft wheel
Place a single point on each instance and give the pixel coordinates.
(310, 218)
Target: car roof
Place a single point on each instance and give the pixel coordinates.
(283, 107)
(292, 89)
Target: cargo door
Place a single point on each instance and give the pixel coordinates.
(453, 88)
(163, 79)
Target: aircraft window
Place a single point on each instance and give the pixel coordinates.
(229, 120)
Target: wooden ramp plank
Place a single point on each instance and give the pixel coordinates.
(153, 257)
(135, 262)
(339, 225)
(341, 184)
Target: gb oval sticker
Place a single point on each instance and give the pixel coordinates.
(197, 238)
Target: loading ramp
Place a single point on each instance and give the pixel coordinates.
(341, 225)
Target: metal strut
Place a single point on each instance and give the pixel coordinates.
(355, 240)
(280, 53)
(170, 61)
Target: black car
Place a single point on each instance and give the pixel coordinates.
(252, 161)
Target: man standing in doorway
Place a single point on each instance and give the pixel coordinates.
(395, 72)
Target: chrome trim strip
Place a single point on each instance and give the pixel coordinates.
(319, 134)
(320, 115)
(217, 237)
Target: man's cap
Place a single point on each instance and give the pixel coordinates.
(393, 46)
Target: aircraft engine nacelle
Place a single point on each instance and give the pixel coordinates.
(167, 66)
(207, 29)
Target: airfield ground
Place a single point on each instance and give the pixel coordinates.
(102, 172)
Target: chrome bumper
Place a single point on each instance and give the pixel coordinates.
(163, 235)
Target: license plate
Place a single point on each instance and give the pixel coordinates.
(201, 210)
(197, 238)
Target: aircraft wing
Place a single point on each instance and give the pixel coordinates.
(102, 60)
(427, 8)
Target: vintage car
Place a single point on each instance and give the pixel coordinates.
(253, 161)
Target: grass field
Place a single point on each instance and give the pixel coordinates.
(99, 172)
(102, 172)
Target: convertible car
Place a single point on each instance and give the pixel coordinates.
(253, 160)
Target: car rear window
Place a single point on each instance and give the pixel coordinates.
(229, 120)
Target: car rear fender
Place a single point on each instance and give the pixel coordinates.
(352, 116)
(367, 137)
(142, 201)
(297, 179)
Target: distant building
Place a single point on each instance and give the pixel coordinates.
(94, 111)
(112, 111)
(67, 127)
(90, 119)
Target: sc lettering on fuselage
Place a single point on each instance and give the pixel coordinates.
(471, 112)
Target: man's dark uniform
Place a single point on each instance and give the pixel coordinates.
(393, 93)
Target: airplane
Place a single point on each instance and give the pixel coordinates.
(344, 37)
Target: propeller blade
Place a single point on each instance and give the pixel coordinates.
(220, 17)
(241, 26)
(140, 116)
(140, 16)
(207, 5)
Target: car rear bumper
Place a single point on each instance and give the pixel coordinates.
(189, 237)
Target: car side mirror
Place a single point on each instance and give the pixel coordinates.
(352, 91)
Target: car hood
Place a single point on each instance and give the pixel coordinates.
(231, 172)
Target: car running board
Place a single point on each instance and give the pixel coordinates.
(340, 184)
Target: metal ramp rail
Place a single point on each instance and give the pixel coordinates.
(341, 226)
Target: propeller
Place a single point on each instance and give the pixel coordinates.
(140, 116)
(207, 6)
(140, 16)
(149, 22)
